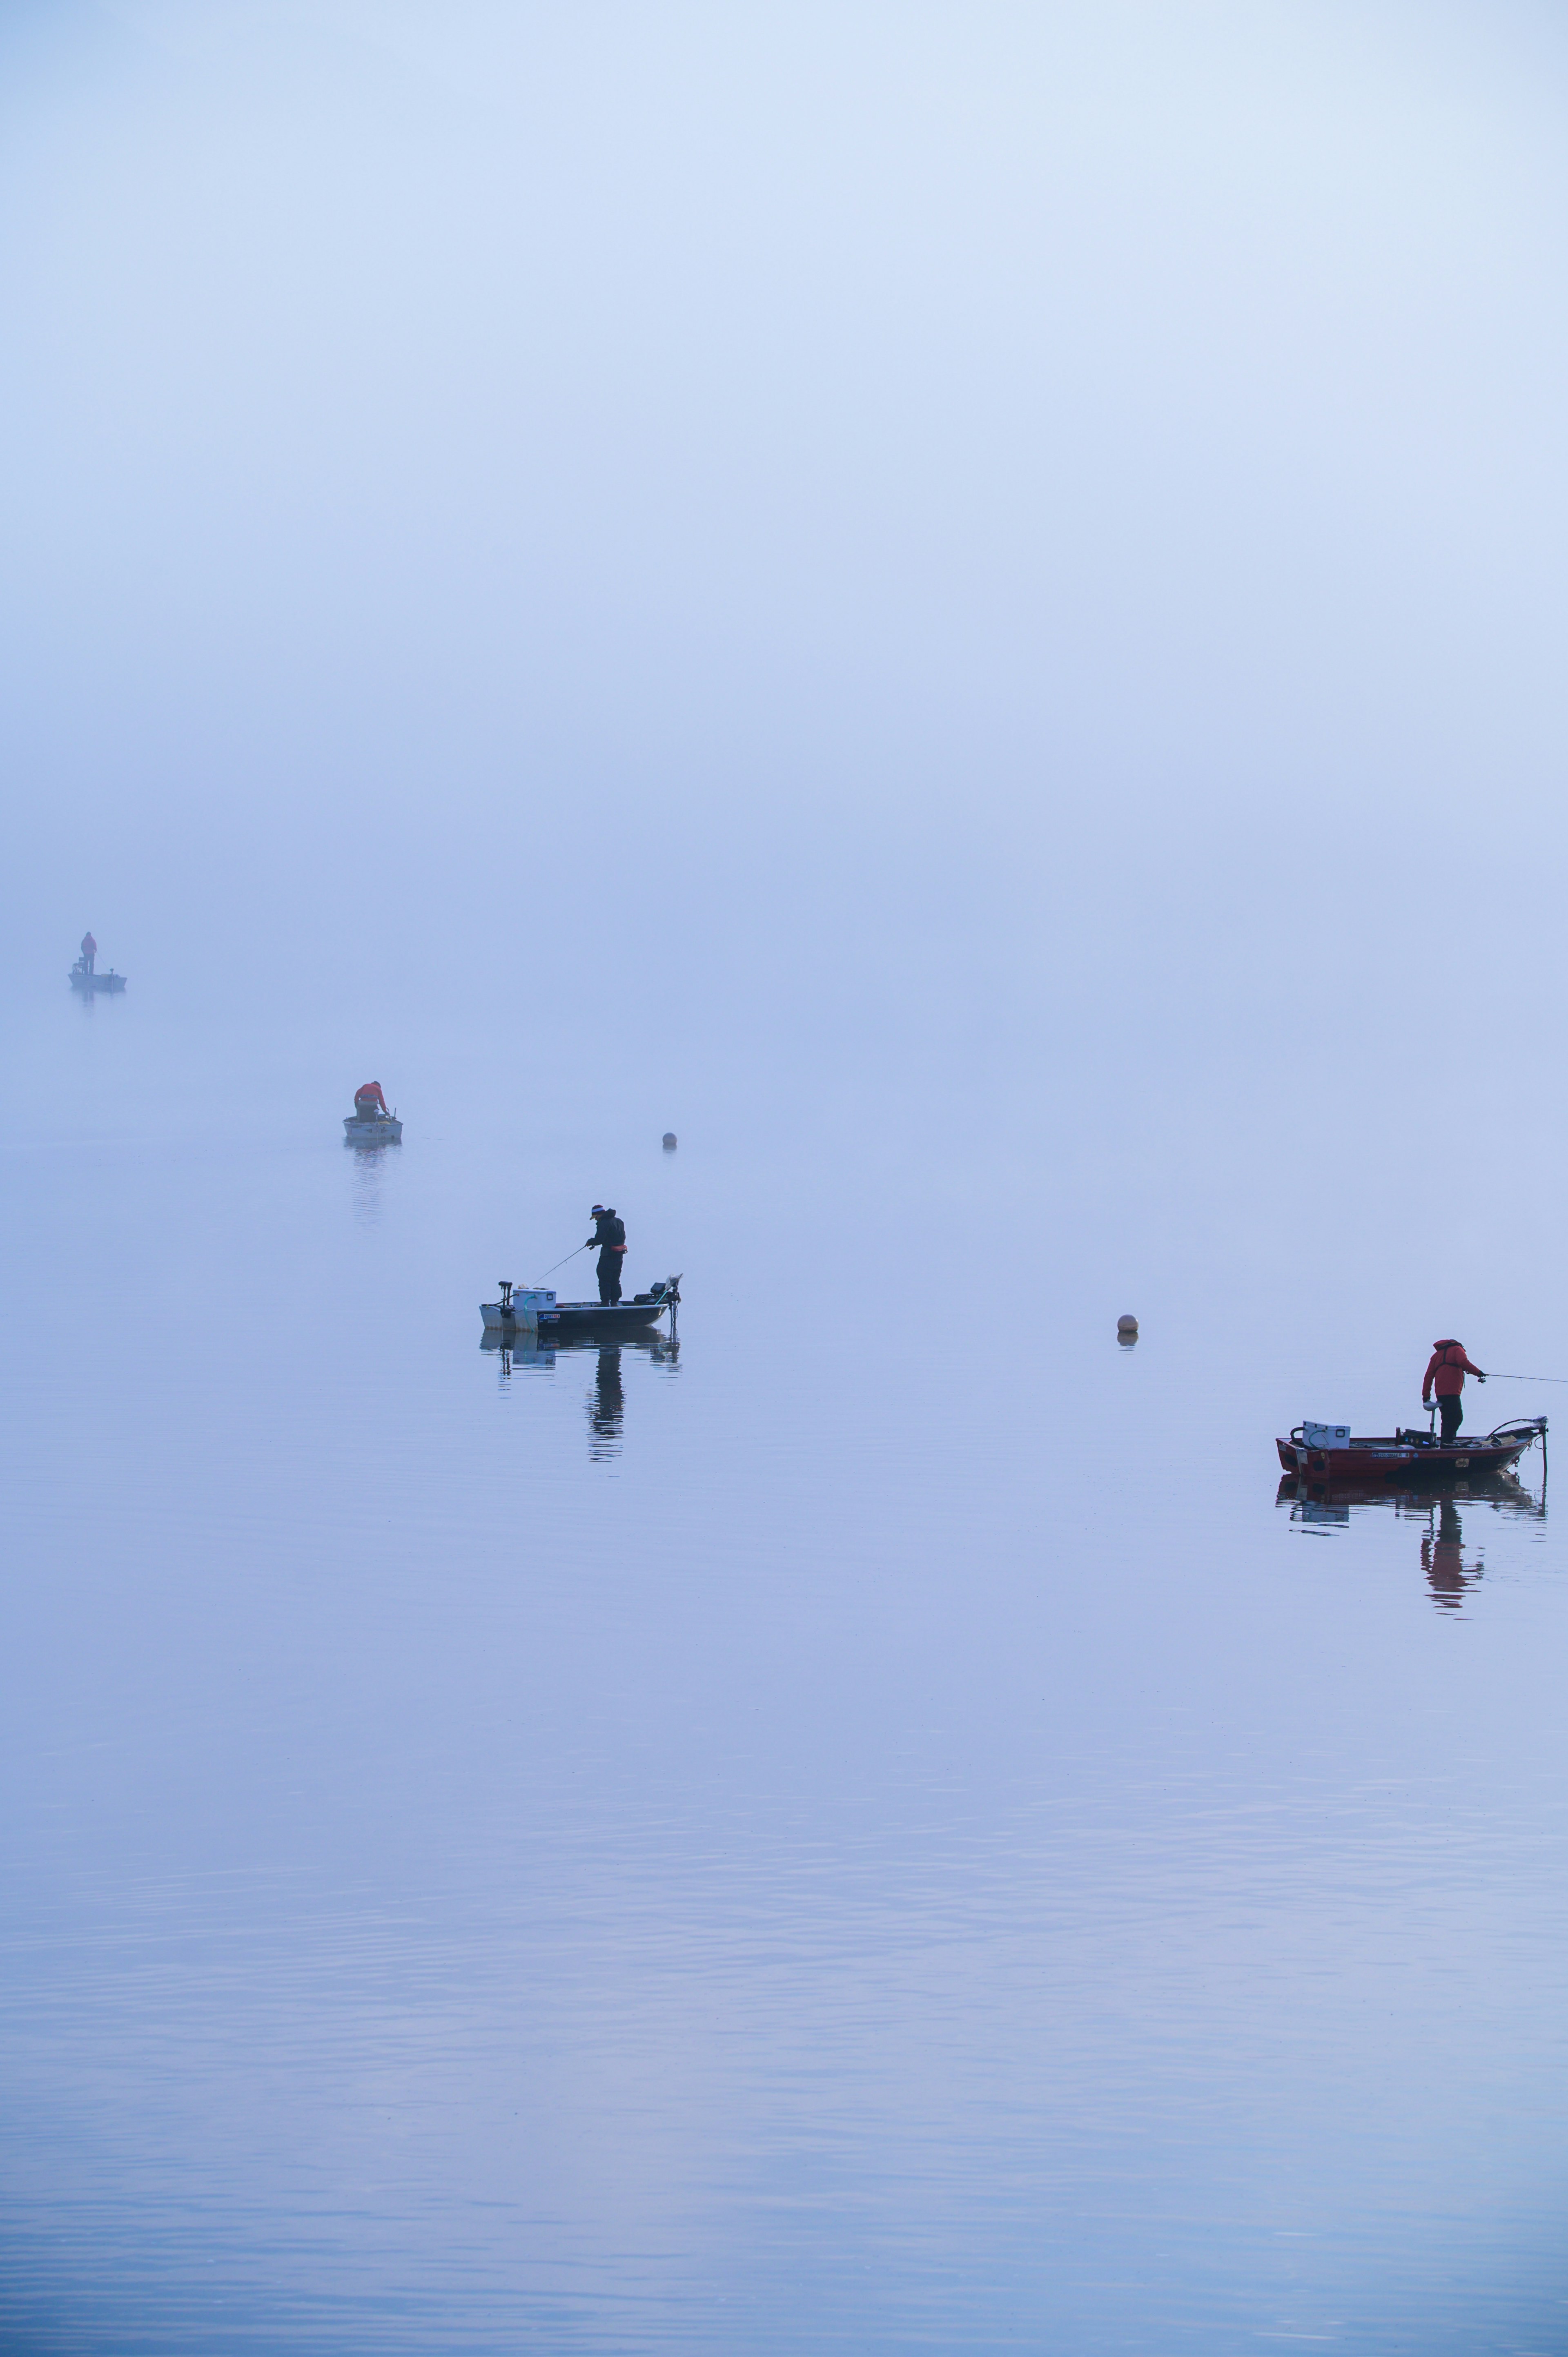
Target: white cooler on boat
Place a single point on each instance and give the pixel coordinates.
(1324, 1436)
(527, 1301)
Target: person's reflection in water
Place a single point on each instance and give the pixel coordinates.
(606, 1406)
(1442, 1558)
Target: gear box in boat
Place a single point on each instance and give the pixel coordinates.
(1326, 1436)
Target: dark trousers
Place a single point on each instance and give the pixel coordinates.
(609, 1278)
(1452, 1410)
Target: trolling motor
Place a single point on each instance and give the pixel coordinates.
(509, 1315)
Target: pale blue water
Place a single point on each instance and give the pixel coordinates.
(884, 1837)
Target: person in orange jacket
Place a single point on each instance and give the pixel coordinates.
(1445, 1376)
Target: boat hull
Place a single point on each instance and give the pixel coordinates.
(587, 1318)
(387, 1131)
(89, 983)
(593, 1317)
(1411, 1456)
(528, 1310)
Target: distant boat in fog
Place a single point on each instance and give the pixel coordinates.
(84, 975)
(370, 1124)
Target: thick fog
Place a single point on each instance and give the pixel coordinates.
(990, 572)
(1024, 514)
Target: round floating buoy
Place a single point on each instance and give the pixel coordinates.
(1126, 1325)
(669, 1141)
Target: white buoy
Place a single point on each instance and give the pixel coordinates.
(669, 1141)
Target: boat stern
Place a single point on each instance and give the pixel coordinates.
(518, 1309)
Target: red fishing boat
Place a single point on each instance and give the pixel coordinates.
(1330, 1452)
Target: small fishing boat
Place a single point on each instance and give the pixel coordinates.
(527, 1309)
(84, 978)
(370, 1124)
(1329, 1451)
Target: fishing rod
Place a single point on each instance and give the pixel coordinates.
(1494, 1377)
(571, 1256)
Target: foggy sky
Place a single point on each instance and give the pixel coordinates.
(1037, 530)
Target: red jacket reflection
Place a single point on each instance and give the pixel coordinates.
(1446, 1375)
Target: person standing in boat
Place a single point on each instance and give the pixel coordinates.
(609, 1234)
(1445, 1376)
(89, 951)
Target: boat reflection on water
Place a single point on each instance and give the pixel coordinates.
(527, 1354)
(1436, 1506)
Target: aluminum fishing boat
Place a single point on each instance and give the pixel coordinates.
(372, 1121)
(1330, 1452)
(84, 978)
(527, 1309)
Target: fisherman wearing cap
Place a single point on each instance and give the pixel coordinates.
(1445, 1375)
(609, 1234)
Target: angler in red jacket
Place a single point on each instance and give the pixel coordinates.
(1445, 1376)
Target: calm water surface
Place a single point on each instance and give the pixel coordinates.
(874, 1828)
